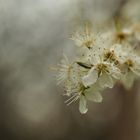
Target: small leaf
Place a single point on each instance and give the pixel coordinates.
(87, 66)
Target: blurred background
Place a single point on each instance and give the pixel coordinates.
(33, 36)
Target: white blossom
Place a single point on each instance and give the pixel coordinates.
(67, 71)
(83, 94)
(84, 38)
(131, 70)
(102, 72)
(92, 94)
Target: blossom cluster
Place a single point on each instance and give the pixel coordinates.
(103, 59)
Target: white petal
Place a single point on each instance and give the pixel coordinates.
(91, 78)
(83, 105)
(136, 71)
(128, 80)
(94, 96)
(116, 73)
(106, 81)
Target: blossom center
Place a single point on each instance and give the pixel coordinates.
(88, 43)
(121, 36)
(129, 63)
(101, 68)
(110, 55)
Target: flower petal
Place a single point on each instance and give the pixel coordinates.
(106, 81)
(91, 78)
(136, 71)
(94, 96)
(128, 80)
(116, 73)
(83, 105)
